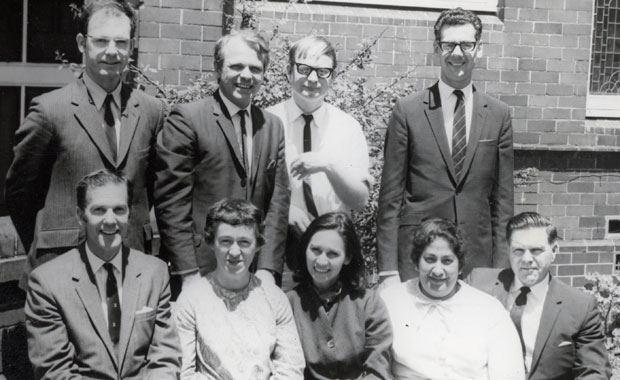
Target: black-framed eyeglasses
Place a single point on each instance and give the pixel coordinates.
(103, 42)
(321, 72)
(466, 46)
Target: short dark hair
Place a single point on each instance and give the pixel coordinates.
(251, 38)
(352, 275)
(236, 212)
(101, 178)
(305, 45)
(113, 7)
(435, 228)
(458, 16)
(531, 219)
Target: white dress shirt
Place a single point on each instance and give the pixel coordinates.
(236, 120)
(98, 96)
(530, 321)
(101, 277)
(337, 136)
(448, 102)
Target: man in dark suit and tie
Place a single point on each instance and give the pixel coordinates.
(448, 154)
(222, 147)
(559, 326)
(95, 122)
(102, 310)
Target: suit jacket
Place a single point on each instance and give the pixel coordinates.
(199, 162)
(67, 333)
(569, 315)
(61, 140)
(419, 181)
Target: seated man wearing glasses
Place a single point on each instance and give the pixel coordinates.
(448, 154)
(326, 150)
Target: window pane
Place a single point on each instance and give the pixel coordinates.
(9, 114)
(605, 69)
(52, 27)
(11, 21)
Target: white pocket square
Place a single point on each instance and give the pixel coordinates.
(565, 343)
(145, 309)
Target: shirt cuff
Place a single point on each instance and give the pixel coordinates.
(388, 273)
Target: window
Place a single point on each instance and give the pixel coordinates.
(604, 91)
(474, 5)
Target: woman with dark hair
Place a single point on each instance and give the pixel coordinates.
(444, 328)
(344, 328)
(231, 325)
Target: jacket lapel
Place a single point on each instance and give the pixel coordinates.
(434, 116)
(479, 116)
(224, 121)
(86, 288)
(551, 310)
(258, 121)
(129, 121)
(132, 285)
(89, 118)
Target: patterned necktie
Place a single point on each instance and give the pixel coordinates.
(517, 312)
(244, 134)
(110, 130)
(308, 198)
(113, 302)
(459, 134)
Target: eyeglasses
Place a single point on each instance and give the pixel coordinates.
(466, 46)
(103, 43)
(321, 72)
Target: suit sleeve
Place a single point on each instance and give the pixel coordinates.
(378, 330)
(502, 201)
(49, 349)
(174, 182)
(164, 356)
(29, 175)
(276, 218)
(591, 360)
(392, 188)
(150, 175)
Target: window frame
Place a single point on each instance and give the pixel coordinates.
(474, 5)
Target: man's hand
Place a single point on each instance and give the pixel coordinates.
(265, 276)
(298, 220)
(307, 164)
(388, 281)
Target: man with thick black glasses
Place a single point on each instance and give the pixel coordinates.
(326, 150)
(448, 154)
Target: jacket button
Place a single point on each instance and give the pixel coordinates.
(242, 182)
(331, 344)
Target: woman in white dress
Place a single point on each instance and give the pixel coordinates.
(443, 328)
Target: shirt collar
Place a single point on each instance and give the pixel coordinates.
(445, 90)
(232, 107)
(96, 263)
(319, 115)
(98, 94)
(539, 290)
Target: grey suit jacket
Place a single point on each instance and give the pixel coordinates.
(67, 333)
(61, 140)
(199, 163)
(569, 315)
(419, 183)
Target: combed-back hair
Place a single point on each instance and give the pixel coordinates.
(531, 219)
(457, 16)
(112, 7)
(101, 178)
(251, 38)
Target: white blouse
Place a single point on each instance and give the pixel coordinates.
(467, 337)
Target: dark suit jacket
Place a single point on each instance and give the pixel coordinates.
(419, 183)
(569, 315)
(67, 333)
(61, 140)
(199, 163)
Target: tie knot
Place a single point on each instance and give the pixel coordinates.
(109, 268)
(525, 290)
(307, 117)
(522, 296)
(108, 99)
(242, 113)
(459, 94)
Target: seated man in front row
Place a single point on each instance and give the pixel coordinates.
(102, 310)
(559, 325)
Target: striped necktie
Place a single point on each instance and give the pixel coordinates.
(459, 134)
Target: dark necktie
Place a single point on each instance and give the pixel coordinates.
(517, 312)
(307, 148)
(459, 134)
(110, 130)
(244, 133)
(114, 305)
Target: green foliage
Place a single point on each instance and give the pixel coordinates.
(606, 289)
